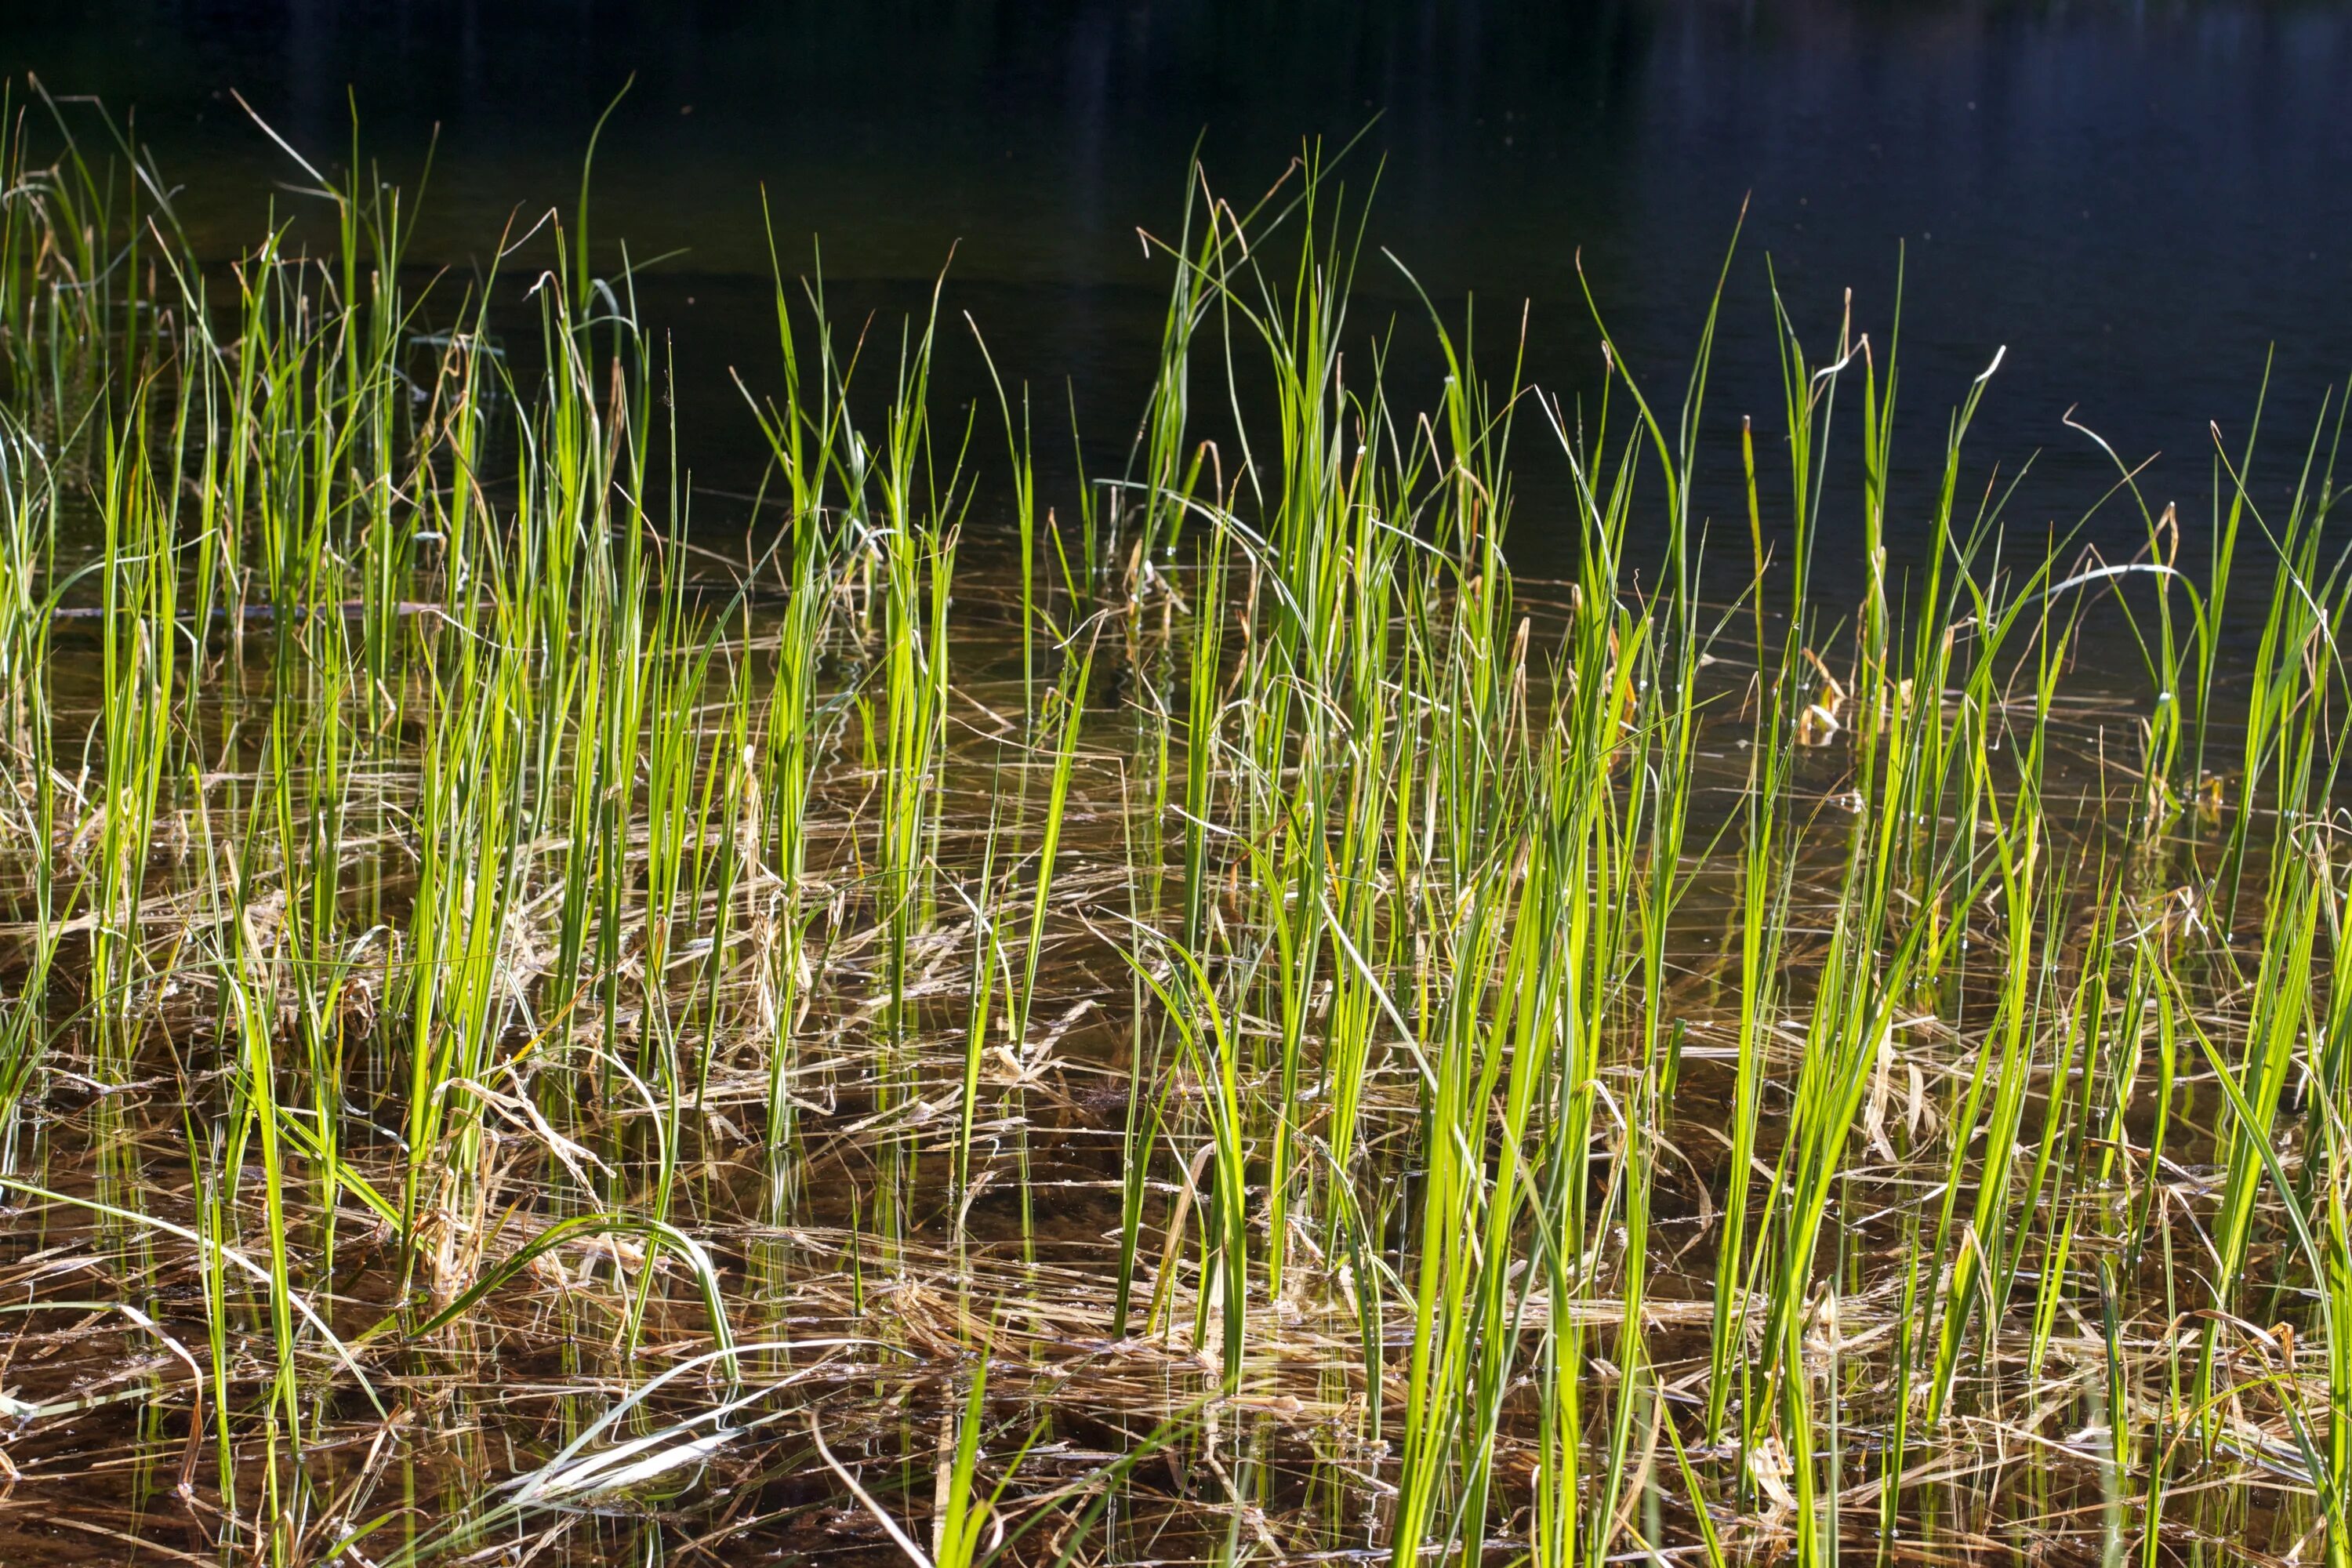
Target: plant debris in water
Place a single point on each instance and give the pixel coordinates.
(1197, 1019)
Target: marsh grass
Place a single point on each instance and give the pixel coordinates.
(529, 1033)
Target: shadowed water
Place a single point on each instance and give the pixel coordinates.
(2138, 200)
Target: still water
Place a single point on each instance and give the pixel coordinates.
(2141, 201)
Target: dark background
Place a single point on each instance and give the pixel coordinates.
(2138, 200)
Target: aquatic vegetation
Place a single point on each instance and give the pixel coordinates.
(1205, 1018)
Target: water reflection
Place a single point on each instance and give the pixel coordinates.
(2137, 199)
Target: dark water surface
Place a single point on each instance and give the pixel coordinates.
(2138, 200)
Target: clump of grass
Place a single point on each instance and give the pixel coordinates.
(616, 1045)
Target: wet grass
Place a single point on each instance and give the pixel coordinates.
(1196, 1019)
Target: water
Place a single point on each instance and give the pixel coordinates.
(2138, 201)
(2135, 203)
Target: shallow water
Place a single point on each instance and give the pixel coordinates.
(881, 1323)
(2131, 201)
